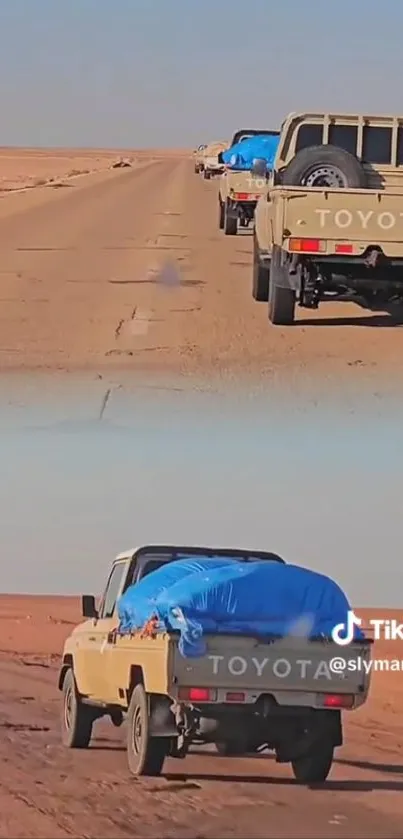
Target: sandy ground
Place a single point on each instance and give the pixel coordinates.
(46, 791)
(27, 168)
(127, 269)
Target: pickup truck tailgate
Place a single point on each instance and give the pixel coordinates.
(245, 186)
(286, 668)
(336, 216)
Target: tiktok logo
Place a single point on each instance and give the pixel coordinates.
(342, 633)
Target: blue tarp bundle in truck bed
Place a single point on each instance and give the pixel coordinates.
(242, 155)
(199, 596)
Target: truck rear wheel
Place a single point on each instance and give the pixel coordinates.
(313, 768)
(327, 165)
(197, 170)
(145, 754)
(77, 718)
(281, 296)
(230, 220)
(207, 175)
(260, 277)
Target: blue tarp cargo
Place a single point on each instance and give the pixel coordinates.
(242, 155)
(201, 596)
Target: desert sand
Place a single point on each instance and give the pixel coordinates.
(127, 270)
(47, 791)
(22, 168)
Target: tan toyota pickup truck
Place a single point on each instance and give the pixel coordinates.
(330, 223)
(243, 695)
(239, 191)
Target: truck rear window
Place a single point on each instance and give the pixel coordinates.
(309, 134)
(344, 136)
(376, 144)
(376, 140)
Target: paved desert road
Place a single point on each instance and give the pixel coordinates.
(81, 287)
(47, 791)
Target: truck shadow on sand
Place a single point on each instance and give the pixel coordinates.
(388, 768)
(378, 320)
(353, 785)
(329, 786)
(386, 316)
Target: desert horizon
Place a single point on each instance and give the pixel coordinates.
(34, 167)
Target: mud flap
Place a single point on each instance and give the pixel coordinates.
(162, 721)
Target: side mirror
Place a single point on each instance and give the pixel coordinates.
(88, 607)
(259, 167)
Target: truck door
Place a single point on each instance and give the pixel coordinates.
(95, 642)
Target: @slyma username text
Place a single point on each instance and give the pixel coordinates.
(338, 664)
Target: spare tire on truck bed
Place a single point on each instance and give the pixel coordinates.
(323, 166)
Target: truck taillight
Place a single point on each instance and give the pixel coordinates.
(241, 196)
(233, 696)
(307, 245)
(197, 694)
(338, 700)
(343, 247)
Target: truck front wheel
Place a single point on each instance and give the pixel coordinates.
(145, 754)
(315, 767)
(77, 718)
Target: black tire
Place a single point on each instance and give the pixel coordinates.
(207, 175)
(325, 166)
(230, 221)
(197, 170)
(145, 754)
(282, 298)
(77, 718)
(221, 212)
(260, 277)
(313, 768)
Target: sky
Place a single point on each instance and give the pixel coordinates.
(141, 73)
(318, 485)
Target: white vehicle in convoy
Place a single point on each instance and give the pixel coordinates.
(211, 163)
